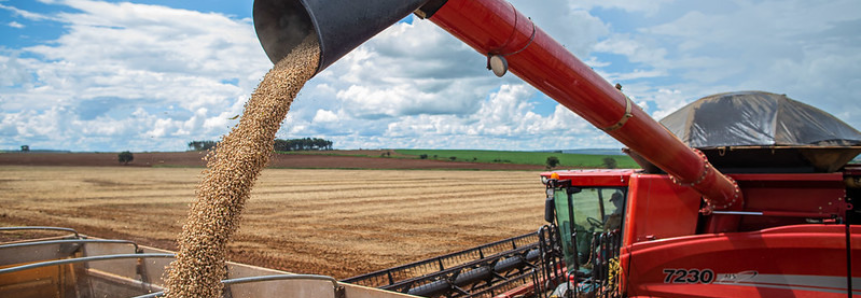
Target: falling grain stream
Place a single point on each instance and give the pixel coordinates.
(232, 169)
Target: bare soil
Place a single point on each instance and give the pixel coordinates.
(340, 223)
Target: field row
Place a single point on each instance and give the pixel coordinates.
(334, 222)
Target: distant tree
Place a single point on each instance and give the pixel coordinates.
(125, 157)
(453, 158)
(610, 163)
(434, 156)
(423, 156)
(474, 158)
(557, 151)
(303, 144)
(201, 145)
(25, 148)
(552, 162)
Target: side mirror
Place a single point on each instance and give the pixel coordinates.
(549, 207)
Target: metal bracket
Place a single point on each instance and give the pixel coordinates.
(340, 291)
(429, 9)
(628, 109)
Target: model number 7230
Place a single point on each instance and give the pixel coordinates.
(689, 276)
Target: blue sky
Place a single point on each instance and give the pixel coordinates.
(87, 75)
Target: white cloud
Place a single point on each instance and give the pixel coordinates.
(567, 22)
(128, 55)
(153, 78)
(505, 120)
(12, 72)
(761, 45)
(650, 8)
(324, 116)
(635, 50)
(25, 14)
(15, 24)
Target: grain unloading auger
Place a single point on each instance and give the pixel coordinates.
(512, 42)
(780, 224)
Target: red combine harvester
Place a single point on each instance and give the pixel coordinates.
(788, 229)
(761, 208)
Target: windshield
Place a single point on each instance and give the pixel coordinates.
(593, 210)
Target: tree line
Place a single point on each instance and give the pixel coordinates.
(303, 144)
(280, 145)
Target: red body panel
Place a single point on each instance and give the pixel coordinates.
(659, 209)
(496, 27)
(792, 261)
(823, 194)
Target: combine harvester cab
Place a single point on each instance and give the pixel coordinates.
(796, 234)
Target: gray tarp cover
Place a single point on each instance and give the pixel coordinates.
(755, 118)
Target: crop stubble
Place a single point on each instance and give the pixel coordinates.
(340, 223)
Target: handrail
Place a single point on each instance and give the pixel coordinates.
(63, 241)
(84, 259)
(3, 229)
(338, 288)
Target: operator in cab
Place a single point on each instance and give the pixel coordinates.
(613, 221)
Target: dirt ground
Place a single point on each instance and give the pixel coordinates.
(340, 223)
(195, 159)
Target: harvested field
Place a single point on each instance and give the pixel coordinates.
(334, 222)
(303, 161)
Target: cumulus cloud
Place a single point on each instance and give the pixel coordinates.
(12, 72)
(650, 8)
(147, 77)
(324, 116)
(15, 24)
(568, 22)
(115, 57)
(25, 14)
(748, 45)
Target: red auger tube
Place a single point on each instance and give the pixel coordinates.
(495, 27)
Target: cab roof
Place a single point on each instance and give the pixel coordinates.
(593, 177)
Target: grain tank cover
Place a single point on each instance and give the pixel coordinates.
(754, 129)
